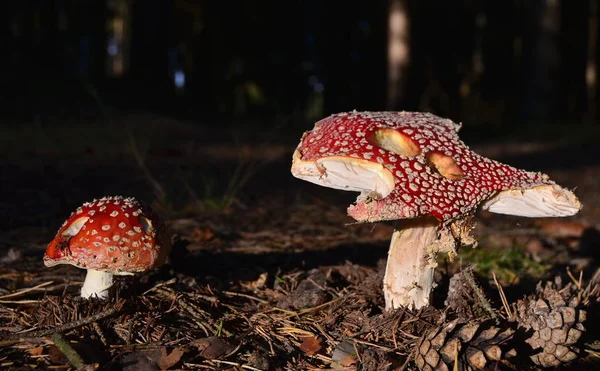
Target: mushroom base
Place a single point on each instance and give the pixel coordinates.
(410, 266)
(97, 284)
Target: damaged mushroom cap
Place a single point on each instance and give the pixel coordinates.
(412, 164)
(112, 234)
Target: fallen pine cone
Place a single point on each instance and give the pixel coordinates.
(474, 346)
(552, 322)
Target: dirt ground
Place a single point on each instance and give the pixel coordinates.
(267, 272)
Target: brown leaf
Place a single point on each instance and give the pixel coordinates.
(36, 351)
(168, 360)
(213, 347)
(349, 360)
(256, 285)
(344, 355)
(200, 234)
(56, 356)
(310, 345)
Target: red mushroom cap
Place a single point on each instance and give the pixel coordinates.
(414, 164)
(113, 234)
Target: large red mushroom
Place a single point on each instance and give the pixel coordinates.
(110, 236)
(413, 167)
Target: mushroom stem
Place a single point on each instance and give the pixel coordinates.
(97, 284)
(410, 266)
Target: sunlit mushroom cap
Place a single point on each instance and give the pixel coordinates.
(113, 234)
(411, 164)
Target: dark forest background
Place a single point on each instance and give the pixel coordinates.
(505, 62)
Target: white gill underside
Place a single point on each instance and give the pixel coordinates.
(537, 202)
(97, 283)
(75, 227)
(410, 266)
(345, 173)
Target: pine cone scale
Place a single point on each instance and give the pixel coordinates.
(551, 322)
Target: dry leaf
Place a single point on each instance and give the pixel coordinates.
(344, 355)
(349, 360)
(56, 356)
(256, 285)
(36, 351)
(212, 347)
(168, 360)
(310, 345)
(202, 234)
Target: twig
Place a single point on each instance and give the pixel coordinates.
(159, 285)
(19, 301)
(66, 327)
(130, 328)
(503, 297)
(230, 293)
(236, 365)
(357, 352)
(24, 291)
(373, 345)
(74, 358)
(197, 317)
(575, 281)
(100, 333)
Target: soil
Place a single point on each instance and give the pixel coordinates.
(272, 275)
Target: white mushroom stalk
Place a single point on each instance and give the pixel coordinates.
(97, 284)
(408, 279)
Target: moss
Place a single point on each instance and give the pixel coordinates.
(509, 265)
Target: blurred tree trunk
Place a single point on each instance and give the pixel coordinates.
(398, 52)
(541, 59)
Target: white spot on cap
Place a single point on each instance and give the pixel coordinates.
(105, 227)
(114, 213)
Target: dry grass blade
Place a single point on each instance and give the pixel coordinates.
(230, 293)
(236, 364)
(26, 290)
(31, 301)
(576, 282)
(503, 298)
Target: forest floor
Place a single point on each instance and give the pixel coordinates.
(267, 272)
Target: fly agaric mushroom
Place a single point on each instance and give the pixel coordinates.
(412, 166)
(109, 236)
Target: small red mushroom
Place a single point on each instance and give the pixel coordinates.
(109, 236)
(412, 166)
